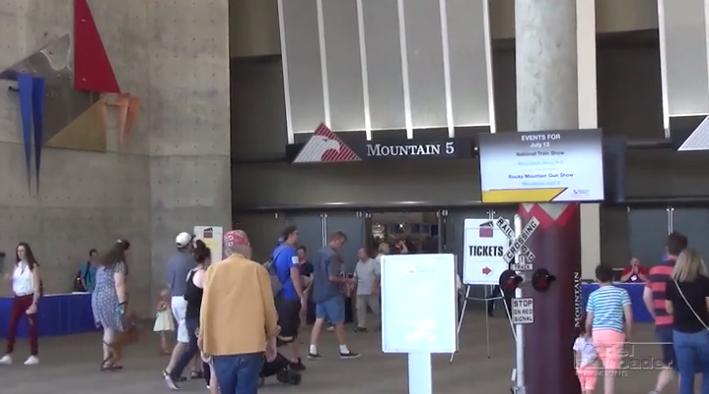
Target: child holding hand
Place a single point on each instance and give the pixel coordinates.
(164, 322)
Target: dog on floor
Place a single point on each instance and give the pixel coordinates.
(129, 335)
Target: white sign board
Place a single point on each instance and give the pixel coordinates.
(419, 309)
(484, 247)
(213, 237)
(522, 311)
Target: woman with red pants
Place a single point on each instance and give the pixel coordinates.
(26, 288)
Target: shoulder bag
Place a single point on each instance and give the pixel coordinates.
(681, 293)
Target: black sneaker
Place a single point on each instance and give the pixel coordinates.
(314, 356)
(360, 329)
(297, 366)
(349, 355)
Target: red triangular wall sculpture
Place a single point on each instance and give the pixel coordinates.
(92, 68)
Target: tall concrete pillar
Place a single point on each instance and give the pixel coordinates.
(188, 121)
(547, 99)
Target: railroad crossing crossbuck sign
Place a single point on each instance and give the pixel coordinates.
(517, 246)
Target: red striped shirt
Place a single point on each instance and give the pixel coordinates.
(657, 282)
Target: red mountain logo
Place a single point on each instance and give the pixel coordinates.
(487, 230)
(325, 147)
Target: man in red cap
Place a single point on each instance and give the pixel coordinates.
(238, 320)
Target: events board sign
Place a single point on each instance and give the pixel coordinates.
(484, 246)
(419, 311)
(541, 166)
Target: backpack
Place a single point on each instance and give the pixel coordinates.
(80, 279)
(276, 284)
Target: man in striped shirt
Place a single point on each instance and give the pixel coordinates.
(654, 298)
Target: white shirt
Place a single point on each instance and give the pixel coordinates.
(587, 350)
(366, 274)
(22, 281)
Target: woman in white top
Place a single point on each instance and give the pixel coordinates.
(26, 287)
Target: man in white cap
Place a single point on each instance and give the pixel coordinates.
(238, 322)
(178, 267)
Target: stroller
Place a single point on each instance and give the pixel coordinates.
(279, 367)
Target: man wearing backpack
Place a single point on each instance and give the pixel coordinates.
(290, 297)
(86, 277)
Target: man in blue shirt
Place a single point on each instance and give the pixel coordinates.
(290, 300)
(328, 295)
(88, 270)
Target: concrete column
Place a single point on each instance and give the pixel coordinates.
(547, 99)
(188, 122)
(588, 119)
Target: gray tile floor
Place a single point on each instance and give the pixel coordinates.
(69, 365)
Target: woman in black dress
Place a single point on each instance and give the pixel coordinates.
(193, 295)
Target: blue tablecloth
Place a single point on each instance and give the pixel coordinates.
(59, 314)
(640, 313)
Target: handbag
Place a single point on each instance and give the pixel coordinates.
(681, 293)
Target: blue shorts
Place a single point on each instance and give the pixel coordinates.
(332, 310)
(664, 337)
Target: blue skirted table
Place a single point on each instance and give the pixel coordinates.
(59, 314)
(635, 290)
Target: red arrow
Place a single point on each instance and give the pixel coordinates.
(486, 271)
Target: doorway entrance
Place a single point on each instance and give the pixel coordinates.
(418, 232)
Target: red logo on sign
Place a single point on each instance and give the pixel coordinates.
(486, 230)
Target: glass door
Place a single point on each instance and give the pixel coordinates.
(311, 230)
(353, 225)
(262, 229)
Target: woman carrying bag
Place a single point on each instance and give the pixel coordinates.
(688, 302)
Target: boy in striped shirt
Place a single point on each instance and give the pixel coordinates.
(654, 298)
(609, 320)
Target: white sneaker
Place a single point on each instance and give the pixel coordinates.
(32, 360)
(6, 359)
(170, 383)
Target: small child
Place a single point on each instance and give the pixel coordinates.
(586, 360)
(164, 321)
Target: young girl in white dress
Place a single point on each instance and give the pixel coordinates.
(164, 322)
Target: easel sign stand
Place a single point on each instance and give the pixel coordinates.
(491, 246)
(430, 326)
(485, 300)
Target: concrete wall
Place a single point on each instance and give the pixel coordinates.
(254, 23)
(190, 148)
(174, 173)
(629, 103)
(86, 200)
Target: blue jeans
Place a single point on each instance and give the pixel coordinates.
(238, 374)
(692, 352)
(332, 310)
(190, 353)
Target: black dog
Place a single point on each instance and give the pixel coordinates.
(280, 367)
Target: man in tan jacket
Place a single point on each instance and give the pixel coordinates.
(238, 320)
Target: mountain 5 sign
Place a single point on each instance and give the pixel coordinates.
(448, 148)
(436, 149)
(326, 146)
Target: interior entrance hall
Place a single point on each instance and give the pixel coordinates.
(421, 230)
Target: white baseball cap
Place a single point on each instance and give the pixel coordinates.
(183, 239)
